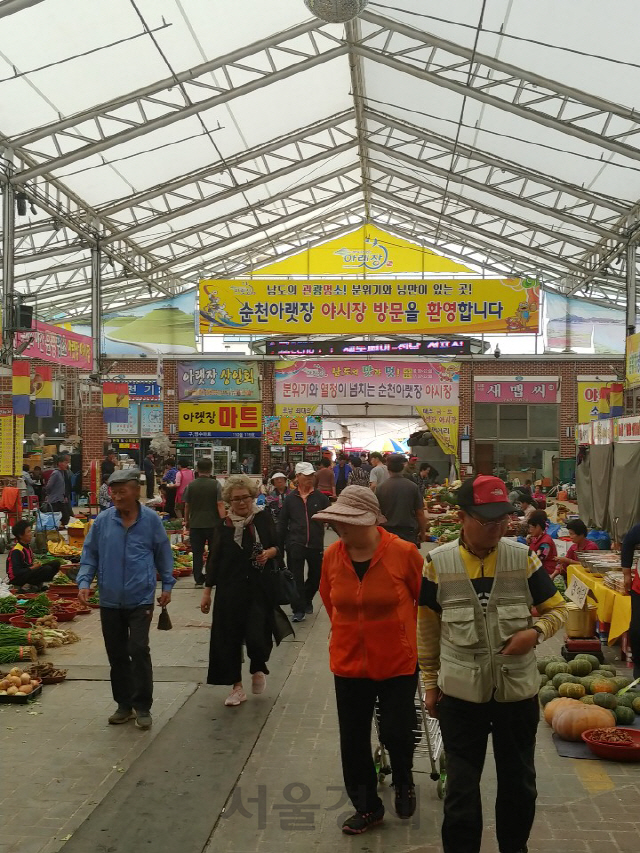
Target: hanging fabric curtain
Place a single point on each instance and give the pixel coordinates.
(115, 402)
(604, 404)
(616, 400)
(42, 385)
(21, 387)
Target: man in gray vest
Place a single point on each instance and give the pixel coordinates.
(204, 510)
(476, 640)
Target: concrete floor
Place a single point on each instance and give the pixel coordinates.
(263, 777)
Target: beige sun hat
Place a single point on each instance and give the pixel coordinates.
(355, 505)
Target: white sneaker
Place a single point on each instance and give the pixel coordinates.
(236, 696)
(258, 682)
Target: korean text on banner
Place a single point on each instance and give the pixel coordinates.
(151, 419)
(443, 421)
(293, 430)
(129, 427)
(488, 391)
(217, 420)
(218, 380)
(633, 361)
(394, 306)
(7, 445)
(18, 439)
(51, 343)
(588, 399)
(398, 382)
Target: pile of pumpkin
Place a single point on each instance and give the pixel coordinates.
(583, 694)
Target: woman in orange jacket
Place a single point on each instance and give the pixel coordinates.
(370, 587)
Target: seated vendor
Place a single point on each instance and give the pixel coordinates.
(541, 543)
(578, 535)
(21, 568)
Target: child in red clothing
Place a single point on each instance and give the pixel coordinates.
(541, 543)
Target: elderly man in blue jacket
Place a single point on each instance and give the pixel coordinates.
(125, 547)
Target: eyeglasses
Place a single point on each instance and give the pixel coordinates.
(496, 522)
(241, 499)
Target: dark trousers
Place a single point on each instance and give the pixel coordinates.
(297, 556)
(151, 485)
(170, 503)
(356, 698)
(126, 639)
(63, 507)
(199, 537)
(35, 577)
(634, 632)
(249, 627)
(409, 534)
(465, 728)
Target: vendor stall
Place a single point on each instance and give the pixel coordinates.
(613, 607)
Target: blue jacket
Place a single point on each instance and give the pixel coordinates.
(126, 560)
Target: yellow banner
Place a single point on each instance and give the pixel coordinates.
(443, 421)
(633, 361)
(231, 420)
(588, 399)
(366, 250)
(357, 307)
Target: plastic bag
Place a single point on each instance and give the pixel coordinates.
(47, 521)
(164, 622)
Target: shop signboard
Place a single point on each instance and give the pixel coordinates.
(443, 422)
(588, 396)
(151, 419)
(131, 426)
(584, 433)
(516, 391)
(220, 420)
(633, 361)
(144, 390)
(370, 307)
(365, 382)
(602, 431)
(435, 346)
(218, 380)
(627, 429)
(51, 343)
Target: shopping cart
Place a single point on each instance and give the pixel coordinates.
(428, 740)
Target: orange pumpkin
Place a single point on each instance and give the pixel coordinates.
(569, 722)
(551, 708)
(599, 684)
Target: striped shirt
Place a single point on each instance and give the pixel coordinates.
(549, 603)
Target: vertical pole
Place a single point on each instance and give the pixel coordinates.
(631, 289)
(96, 304)
(8, 242)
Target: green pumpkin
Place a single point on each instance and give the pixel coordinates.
(571, 691)
(605, 700)
(543, 680)
(621, 682)
(580, 667)
(624, 716)
(593, 660)
(542, 664)
(564, 678)
(588, 700)
(625, 700)
(608, 667)
(636, 705)
(555, 668)
(586, 680)
(547, 694)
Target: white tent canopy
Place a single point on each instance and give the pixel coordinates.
(203, 137)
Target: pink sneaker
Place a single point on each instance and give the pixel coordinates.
(236, 696)
(258, 682)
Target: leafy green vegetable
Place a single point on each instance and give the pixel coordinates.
(8, 604)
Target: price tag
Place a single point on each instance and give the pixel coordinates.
(577, 591)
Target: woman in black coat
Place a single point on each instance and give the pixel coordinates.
(242, 567)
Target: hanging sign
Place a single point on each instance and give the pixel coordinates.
(584, 434)
(577, 591)
(292, 430)
(51, 343)
(220, 420)
(370, 307)
(588, 399)
(151, 419)
(7, 445)
(443, 422)
(633, 361)
(129, 427)
(217, 380)
(330, 382)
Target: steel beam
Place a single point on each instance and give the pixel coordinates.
(353, 33)
(10, 7)
(8, 291)
(534, 97)
(96, 305)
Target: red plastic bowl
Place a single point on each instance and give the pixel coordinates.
(21, 622)
(64, 615)
(7, 617)
(67, 592)
(612, 751)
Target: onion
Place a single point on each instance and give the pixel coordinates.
(19, 693)
(25, 678)
(11, 691)
(26, 689)
(15, 680)
(15, 671)
(34, 682)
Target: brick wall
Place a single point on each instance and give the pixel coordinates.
(567, 370)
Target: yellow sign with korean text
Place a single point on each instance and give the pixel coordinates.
(363, 306)
(220, 420)
(367, 250)
(588, 398)
(633, 361)
(443, 421)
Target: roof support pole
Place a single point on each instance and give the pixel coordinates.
(631, 289)
(96, 304)
(8, 233)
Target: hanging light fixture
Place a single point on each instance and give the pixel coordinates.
(336, 11)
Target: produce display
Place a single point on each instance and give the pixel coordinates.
(182, 561)
(9, 654)
(8, 604)
(95, 598)
(62, 549)
(18, 683)
(12, 637)
(615, 736)
(61, 580)
(583, 694)
(47, 673)
(35, 607)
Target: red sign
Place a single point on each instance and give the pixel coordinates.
(51, 343)
(516, 391)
